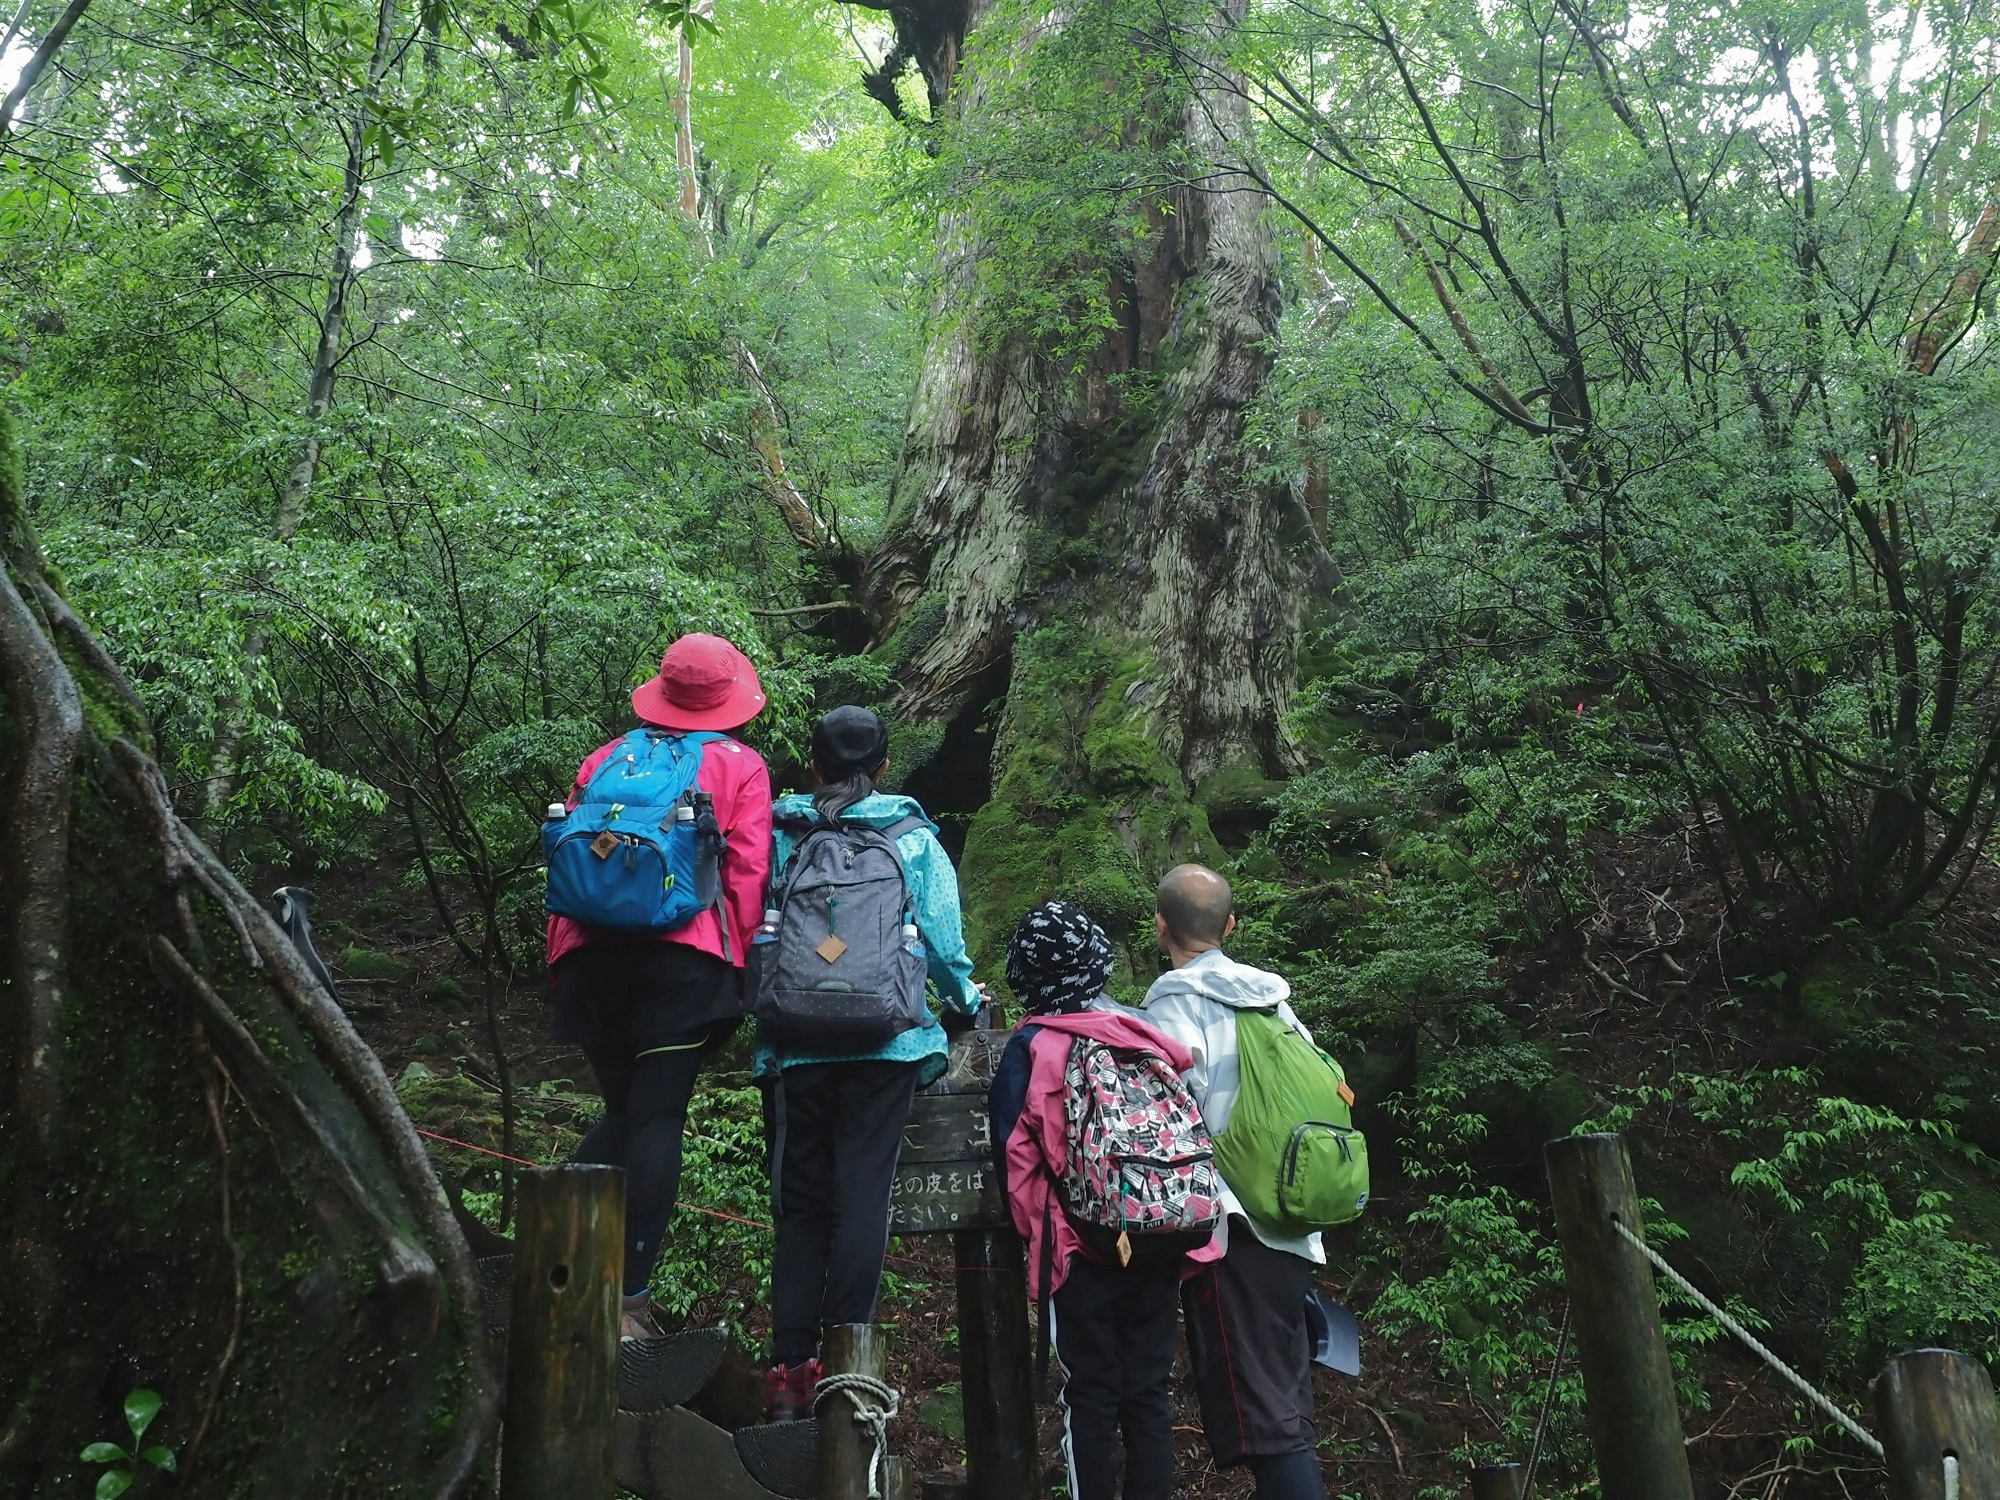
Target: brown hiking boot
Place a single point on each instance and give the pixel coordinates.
(789, 1391)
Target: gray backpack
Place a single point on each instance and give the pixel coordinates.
(841, 974)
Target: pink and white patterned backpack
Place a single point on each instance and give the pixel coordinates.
(1139, 1182)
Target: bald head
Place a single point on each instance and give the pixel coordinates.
(1195, 908)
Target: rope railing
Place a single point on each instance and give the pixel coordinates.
(1934, 1409)
(1755, 1345)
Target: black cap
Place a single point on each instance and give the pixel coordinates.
(849, 739)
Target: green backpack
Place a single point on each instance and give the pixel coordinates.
(1291, 1153)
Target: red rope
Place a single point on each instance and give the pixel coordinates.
(713, 1213)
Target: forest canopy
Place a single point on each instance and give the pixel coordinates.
(1515, 482)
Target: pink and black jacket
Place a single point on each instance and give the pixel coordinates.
(1030, 1136)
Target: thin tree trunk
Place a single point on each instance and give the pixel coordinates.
(225, 768)
(765, 426)
(690, 201)
(38, 60)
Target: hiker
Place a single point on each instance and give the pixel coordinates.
(646, 968)
(1246, 1317)
(1108, 1177)
(864, 909)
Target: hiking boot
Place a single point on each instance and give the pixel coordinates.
(789, 1391)
(635, 1319)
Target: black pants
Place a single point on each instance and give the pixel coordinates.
(1247, 1341)
(643, 1013)
(841, 1129)
(645, 1114)
(1114, 1333)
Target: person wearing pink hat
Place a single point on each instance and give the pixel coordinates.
(645, 1008)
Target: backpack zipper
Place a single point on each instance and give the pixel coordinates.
(1288, 1169)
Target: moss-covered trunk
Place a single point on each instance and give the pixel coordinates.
(1090, 556)
(209, 1187)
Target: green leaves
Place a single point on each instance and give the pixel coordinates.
(141, 1407)
(690, 18)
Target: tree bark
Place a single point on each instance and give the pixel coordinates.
(1177, 563)
(211, 1187)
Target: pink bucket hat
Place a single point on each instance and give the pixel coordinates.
(704, 683)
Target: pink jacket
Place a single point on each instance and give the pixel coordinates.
(737, 778)
(1037, 1145)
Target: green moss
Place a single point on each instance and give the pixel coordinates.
(444, 991)
(1086, 804)
(361, 963)
(911, 748)
(925, 620)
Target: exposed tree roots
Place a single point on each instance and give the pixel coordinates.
(266, 1032)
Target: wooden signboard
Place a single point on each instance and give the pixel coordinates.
(945, 1181)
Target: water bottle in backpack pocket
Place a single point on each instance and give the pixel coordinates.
(845, 972)
(640, 851)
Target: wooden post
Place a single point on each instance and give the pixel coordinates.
(1628, 1384)
(1499, 1481)
(1931, 1403)
(995, 1351)
(562, 1342)
(846, 1448)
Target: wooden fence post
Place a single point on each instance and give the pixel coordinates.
(1934, 1403)
(1628, 1383)
(846, 1448)
(995, 1350)
(562, 1341)
(1499, 1481)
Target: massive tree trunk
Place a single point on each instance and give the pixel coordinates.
(209, 1187)
(1113, 567)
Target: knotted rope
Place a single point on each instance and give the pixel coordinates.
(874, 1404)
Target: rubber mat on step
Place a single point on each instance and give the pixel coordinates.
(655, 1373)
(782, 1456)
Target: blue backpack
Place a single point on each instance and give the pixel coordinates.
(641, 851)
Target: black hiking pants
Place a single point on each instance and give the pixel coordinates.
(645, 1014)
(1252, 1357)
(1113, 1329)
(840, 1130)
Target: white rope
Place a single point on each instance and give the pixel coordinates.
(875, 1404)
(1951, 1476)
(1798, 1382)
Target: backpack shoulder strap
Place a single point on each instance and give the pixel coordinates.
(903, 825)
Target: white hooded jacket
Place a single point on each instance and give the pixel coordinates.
(1196, 1005)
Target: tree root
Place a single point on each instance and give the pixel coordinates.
(402, 1211)
(44, 696)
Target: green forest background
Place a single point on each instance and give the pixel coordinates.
(391, 382)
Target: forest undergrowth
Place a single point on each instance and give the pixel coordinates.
(1804, 1110)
